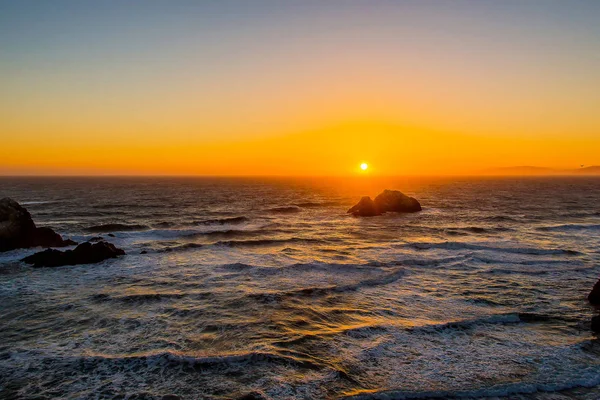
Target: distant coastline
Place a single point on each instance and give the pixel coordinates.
(541, 171)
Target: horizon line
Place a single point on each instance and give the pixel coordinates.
(481, 175)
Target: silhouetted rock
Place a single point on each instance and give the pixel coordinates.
(387, 201)
(110, 235)
(143, 252)
(85, 253)
(596, 324)
(17, 229)
(364, 208)
(594, 296)
(396, 201)
(95, 239)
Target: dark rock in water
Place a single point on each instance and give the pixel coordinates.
(85, 253)
(110, 235)
(594, 296)
(396, 201)
(365, 208)
(96, 239)
(387, 201)
(17, 229)
(144, 252)
(596, 324)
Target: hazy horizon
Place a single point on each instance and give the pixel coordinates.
(524, 171)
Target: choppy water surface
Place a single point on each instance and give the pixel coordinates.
(268, 286)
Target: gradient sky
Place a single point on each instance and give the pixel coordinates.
(297, 87)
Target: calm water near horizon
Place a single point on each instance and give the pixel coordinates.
(268, 286)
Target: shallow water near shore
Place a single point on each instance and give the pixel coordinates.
(268, 286)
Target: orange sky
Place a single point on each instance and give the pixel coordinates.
(297, 90)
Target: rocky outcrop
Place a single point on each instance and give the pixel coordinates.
(594, 299)
(17, 229)
(596, 324)
(365, 208)
(594, 296)
(387, 201)
(85, 253)
(396, 201)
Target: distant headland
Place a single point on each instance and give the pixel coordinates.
(532, 170)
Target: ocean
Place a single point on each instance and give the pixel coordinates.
(267, 288)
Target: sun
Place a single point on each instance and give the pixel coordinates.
(364, 166)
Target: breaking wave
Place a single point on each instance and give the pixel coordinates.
(116, 228)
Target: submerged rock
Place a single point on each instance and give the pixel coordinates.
(17, 229)
(85, 253)
(594, 296)
(387, 201)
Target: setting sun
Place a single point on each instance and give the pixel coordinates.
(364, 166)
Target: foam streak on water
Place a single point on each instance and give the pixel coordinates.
(267, 285)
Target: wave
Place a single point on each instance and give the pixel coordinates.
(508, 271)
(170, 359)
(501, 319)
(309, 267)
(164, 224)
(132, 205)
(139, 297)
(330, 267)
(236, 243)
(183, 247)
(500, 218)
(471, 246)
(233, 233)
(317, 204)
(462, 325)
(116, 228)
(543, 261)
(464, 231)
(267, 297)
(581, 214)
(267, 242)
(578, 379)
(223, 221)
(284, 209)
(569, 227)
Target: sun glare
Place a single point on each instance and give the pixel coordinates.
(364, 166)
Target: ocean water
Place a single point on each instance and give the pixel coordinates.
(268, 286)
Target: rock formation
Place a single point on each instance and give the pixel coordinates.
(17, 229)
(365, 208)
(85, 253)
(387, 201)
(596, 323)
(594, 296)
